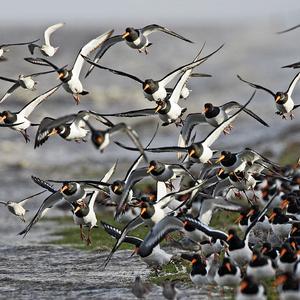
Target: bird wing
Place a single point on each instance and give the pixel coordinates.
(154, 27)
(252, 155)
(113, 70)
(133, 167)
(40, 73)
(44, 184)
(47, 203)
(292, 85)
(116, 233)
(229, 106)
(50, 30)
(289, 29)
(134, 177)
(109, 173)
(213, 136)
(189, 123)
(103, 48)
(134, 223)
(256, 86)
(29, 108)
(9, 79)
(130, 114)
(18, 44)
(131, 134)
(158, 232)
(165, 80)
(10, 91)
(42, 62)
(86, 50)
(214, 233)
(23, 201)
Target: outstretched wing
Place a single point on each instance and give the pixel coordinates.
(292, 85)
(10, 91)
(158, 232)
(50, 30)
(154, 27)
(103, 48)
(86, 50)
(29, 108)
(256, 86)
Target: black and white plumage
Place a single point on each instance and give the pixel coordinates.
(46, 49)
(19, 120)
(157, 257)
(250, 289)
(212, 115)
(70, 127)
(25, 81)
(101, 138)
(199, 151)
(155, 90)
(283, 100)
(134, 38)
(17, 208)
(4, 48)
(70, 77)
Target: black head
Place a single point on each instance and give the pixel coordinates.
(98, 138)
(150, 86)
(281, 98)
(163, 107)
(64, 75)
(210, 111)
(8, 117)
(130, 34)
(81, 209)
(155, 167)
(117, 187)
(195, 150)
(147, 210)
(63, 130)
(69, 188)
(248, 286)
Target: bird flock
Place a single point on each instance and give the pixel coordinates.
(262, 243)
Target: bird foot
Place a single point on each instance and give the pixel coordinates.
(179, 122)
(292, 116)
(26, 137)
(76, 98)
(88, 241)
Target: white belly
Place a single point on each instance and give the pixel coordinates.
(158, 257)
(47, 50)
(16, 209)
(262, 272)
(287, 107)
(73, 86)
(76, 133)
(206, 155)
(241, 256)
(160, 94)
(27, 83)
(199, 279)
(25, 123)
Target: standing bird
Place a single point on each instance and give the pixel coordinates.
(3, 48)
(283, 100)
(46, 49)
(24, 81)
(140, 288)
(19, 120)
(249, 289)
(134, 38)
(70, 78)
(17, 208)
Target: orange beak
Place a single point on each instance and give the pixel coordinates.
(194, 260)
(205, 110)
(293, 244)
(250, 213)
(99, 139)
(229, 237)
(146, 87)
(158, 108)
(150, 169)
(220, 172)
(60, 75)
(273, 215)
(2, 118)
(228, 267)
(280, 280)
(243, 285)
(277, 99)
(254, 257)
(282, 252)
(125, 34)
(264, 250)
(294, 229)
(115, 188)
(76, 209)
(284, 203)
(192, 152)
(144, 209)
(54, 131)
(64, 187)
(220, 159)
(239, 218)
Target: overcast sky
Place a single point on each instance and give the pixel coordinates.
(90, 12)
